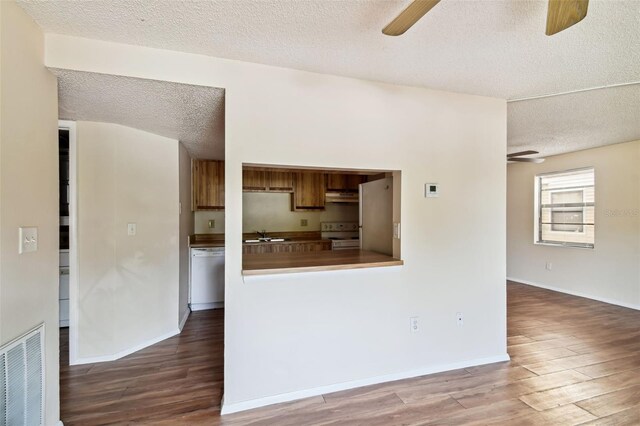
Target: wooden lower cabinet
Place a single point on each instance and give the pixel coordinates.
(257, 248)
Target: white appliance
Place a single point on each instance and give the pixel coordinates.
(376, 216)
(206, 278)
(63, 293)
(343, 235)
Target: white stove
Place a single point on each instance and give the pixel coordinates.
(343, 235)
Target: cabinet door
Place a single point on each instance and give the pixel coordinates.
(208, 185)
(309, 190)
(280, 181)
(344, 182)
(254, 180)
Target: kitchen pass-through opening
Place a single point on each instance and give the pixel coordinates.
(298, 219)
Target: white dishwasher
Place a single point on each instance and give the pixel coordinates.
(207, 278)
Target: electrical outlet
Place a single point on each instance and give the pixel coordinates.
(459, 319)
(131, 229)
(549, 266)
(414, 326)
(396, 230)
(212, 224)
(304, 222)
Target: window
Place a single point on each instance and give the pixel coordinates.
(567, 219)
(565, 208)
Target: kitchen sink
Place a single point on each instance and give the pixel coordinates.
(266, 240)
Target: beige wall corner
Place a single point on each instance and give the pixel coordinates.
(611, 271)
(29, 191)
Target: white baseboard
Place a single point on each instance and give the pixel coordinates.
(228, 408)
(205, 306)
(128, 351)
(184, 318)
(576, 293)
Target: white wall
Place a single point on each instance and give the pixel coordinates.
(611, 271)
(128, 285)
(28, 191)
(272, 211)
(300, 334)
(186, 229)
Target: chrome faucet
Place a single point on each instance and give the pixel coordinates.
(262, 234)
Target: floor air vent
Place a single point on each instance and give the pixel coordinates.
(22, 380)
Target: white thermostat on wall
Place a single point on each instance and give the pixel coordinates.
(431, 190)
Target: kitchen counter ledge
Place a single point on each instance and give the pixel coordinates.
(290, 241)
(206, 240)
(326, 260)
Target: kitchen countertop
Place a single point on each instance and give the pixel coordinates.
(207, 245)
(292, 237)
(326, 260)
(291, 241)
(217, 240)
(206, 240)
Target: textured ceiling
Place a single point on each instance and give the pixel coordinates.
(494, 48)
(486, 47)
(576, 121)
(192, 114)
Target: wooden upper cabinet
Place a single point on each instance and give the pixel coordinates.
(254, 180)
(280, 181)
(208, 185)
(344, 182)
(308, 192)
(266, 181)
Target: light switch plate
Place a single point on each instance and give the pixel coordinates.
(131, 229)
(28, 239)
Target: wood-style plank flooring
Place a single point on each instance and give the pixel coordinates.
(182, 374)
(574, 361)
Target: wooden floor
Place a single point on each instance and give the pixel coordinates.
(574, 361)
(182, 374)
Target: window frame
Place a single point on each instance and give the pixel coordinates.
(537, 231)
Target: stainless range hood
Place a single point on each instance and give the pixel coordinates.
(341, 197)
